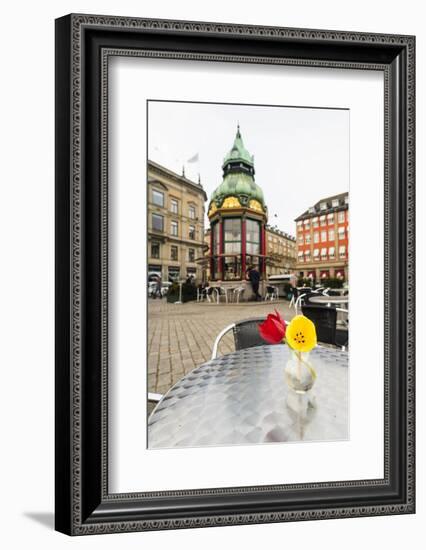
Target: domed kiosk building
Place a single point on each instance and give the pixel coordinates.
(238, 215)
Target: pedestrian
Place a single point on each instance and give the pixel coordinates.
(294, 291)
(253, 276)
(158, 289)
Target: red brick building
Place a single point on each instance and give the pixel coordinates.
(322, 234)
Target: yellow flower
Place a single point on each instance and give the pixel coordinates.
(301, 334)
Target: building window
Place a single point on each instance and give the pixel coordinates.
(216, 265)
(341, 216)
(155, 250)
(330, 218)
(341, 232)
(300, 239)
(299, 223)
(316, 237)
(192, 212)
(323, 236)
(191, 254)
(174, 273)
(307, 224)
(232, 246)
(232, 236)
(252, 237)
(347, 199)
(323, 206)
(331, 253)
(174, 206)
(307, 238)
(331, 235)
(157, 222)
(335, 203)
(316, 254)
(191, 272)
(323, 220)
(232, 267)
(157, 197)
(342, 251)
(323, 253)
(315, 222)
(216, 238)
(307, 255)
(174, 253)
(154, 271)
(174, 228)
(300, 256)
(191, 233)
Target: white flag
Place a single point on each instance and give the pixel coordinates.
(193, 159)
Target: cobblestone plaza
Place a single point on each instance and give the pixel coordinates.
(181, 336)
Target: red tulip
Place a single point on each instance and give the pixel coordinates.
(273, 329)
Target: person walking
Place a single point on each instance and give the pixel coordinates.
(157, 290)
(254, 278)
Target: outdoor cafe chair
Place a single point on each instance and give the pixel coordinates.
(303, 299)
(342, 334)
(295, 293)
(202, 293)
(318, 290)
(332, 292)
(237, 293)
(325, 321)
(271, 293)
(345, 317)
(246, 335)
(154, 397)
(221, 293)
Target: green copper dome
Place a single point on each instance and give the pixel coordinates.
(238, 177)
(238, 152)
(235, 185)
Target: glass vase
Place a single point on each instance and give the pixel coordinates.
(299, 372)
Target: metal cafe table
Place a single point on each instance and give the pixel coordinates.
(243, 398)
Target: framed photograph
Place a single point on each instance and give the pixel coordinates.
(234, 274)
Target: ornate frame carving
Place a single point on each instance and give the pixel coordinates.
(84, 43)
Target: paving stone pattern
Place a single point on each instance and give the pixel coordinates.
(181, 337)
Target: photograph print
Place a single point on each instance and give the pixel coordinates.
(248, 276)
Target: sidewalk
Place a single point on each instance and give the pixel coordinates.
(181, 337)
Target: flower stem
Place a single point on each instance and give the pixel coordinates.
(299, 365)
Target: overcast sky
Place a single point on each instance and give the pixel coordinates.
(300, 154)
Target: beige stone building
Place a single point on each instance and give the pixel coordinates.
(281, 252)
(175, 224)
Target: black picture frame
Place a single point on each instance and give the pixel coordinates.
(83, 504)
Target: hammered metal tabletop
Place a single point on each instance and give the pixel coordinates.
(242, 398)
